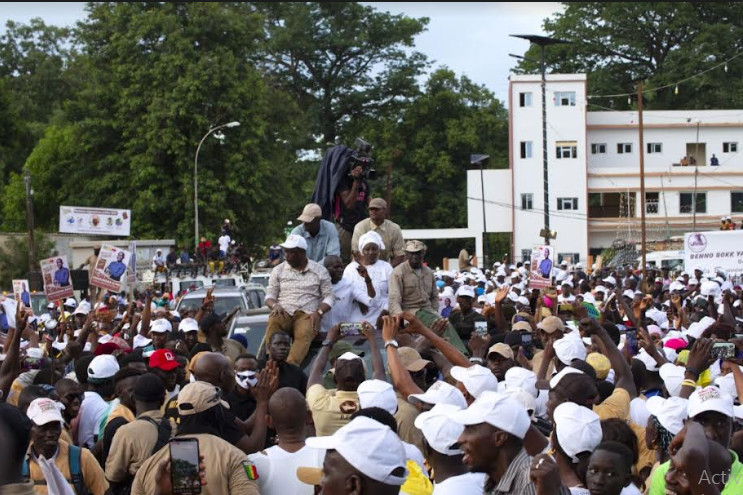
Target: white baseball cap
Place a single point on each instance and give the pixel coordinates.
(370, 447)
(497, 410)
(161, 325)
(710, 289)
(440, 392)
(567, 370)
(476, 379)
(188, 325)
(82, 309)
(377, 393)
(710, 399)
(610, 280)
(671, 412)
(42, 411)
(647, 360)
(294, 241)
(141, 341)
(578, 429)
(439, 430)
(70, 302)
(521, 378)
(525, 399)
(569, 348)
(348, 356)
(103, 366)
(726, 384)
(466, 291)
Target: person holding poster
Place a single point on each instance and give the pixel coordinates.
(62, 275)
(117, 268)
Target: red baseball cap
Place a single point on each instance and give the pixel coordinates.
(163, 359)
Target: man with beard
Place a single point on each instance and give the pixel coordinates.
(299, 294)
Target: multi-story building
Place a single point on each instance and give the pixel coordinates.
(594, 172)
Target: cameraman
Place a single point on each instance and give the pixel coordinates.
(353, 192)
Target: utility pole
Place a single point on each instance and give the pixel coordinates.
(696, 176)
(642, 178)
(389, 189)
(30, 222)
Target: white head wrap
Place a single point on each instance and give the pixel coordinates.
(371, 237)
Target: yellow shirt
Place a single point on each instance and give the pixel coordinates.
(95, 480)
(331, 409)
(614, 406)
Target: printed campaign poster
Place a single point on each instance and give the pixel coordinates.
(55, 273)
(95, 221)
(541, 267)
(21, 293)
(110, 267)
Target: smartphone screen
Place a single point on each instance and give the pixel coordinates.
(723, 350)
(184, 466)
(525, 339)
(631, 338)
(481, 328)
(350, 329)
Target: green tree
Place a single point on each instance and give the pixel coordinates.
(660, 43)
(14, 257)
(341, 60)
(153, 78)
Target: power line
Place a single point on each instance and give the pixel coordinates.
(651, 90)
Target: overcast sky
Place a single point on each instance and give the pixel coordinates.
(470, 38)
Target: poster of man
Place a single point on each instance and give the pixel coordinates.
(541, 267)
(55, 273)
(110, 267)
(21, 293)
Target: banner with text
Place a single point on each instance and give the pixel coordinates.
(541, 267)
(55, 273)
(110, 267)
(712, 251)
(95, 221)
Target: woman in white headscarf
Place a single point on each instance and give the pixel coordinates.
(370, 245)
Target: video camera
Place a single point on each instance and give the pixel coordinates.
(362, 157)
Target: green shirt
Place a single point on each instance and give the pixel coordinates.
(733, 487)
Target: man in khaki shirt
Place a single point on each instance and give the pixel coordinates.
(412, 288)
(47, 426)
(134, 443)
(332, 409)
(227, 470)
(390, 232)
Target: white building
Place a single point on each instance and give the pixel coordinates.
(594, 172)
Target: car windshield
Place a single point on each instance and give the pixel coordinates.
(262, 280)
(38, 303)
(253, 331)
(222, 304)
(186, 286)
(224, 282)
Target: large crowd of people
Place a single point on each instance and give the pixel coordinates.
(379, 375)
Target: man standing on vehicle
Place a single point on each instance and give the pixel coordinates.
(390, 232)
(352, 199)
(299, 294)
(321, 236)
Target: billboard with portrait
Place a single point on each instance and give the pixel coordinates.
(55, 274)
(110, 268)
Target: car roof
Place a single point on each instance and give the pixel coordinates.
(216, 291)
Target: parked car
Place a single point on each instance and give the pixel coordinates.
(259, 277)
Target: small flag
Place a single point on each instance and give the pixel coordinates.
(250, 470)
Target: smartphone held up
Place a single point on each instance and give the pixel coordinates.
(184, 466)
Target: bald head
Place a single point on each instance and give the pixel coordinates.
(214, 368)
(288, 410)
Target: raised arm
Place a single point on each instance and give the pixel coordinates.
(450, 352)
(376, 358)
(321, 360)
(400, 376)
(622, 370)
(394, 295)
(12, 349)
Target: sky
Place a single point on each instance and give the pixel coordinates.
(470, 38)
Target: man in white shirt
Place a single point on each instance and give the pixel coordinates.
(347, 295)
(277, 465)
(224, 245)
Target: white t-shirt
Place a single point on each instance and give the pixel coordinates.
(92, 410)
(277, 469)
(224, 243)
(380, 273)
(630, 489)
(345, 294)
(465, 484)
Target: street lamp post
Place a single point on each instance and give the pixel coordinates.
(474, 160)
(196, 178)
(543, 41)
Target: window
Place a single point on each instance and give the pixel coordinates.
(525, 149)
(729, 147)
(527, 201)
(571, 258)
(655, 147)
(686, 201)
(736, 202)
(624, 148)
(651, 202)
(567, 203)
(566, 149)
(565, 98)
(524, 99)
(526, 255)
(598, 148)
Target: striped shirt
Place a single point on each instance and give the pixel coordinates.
(515, 480)
(301, 290)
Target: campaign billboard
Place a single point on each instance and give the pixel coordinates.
(110, 268)
(712, 251)
(94, 221)
(55, 273)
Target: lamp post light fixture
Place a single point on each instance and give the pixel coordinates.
(543, 41)
(196, 177)
(475, 160)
